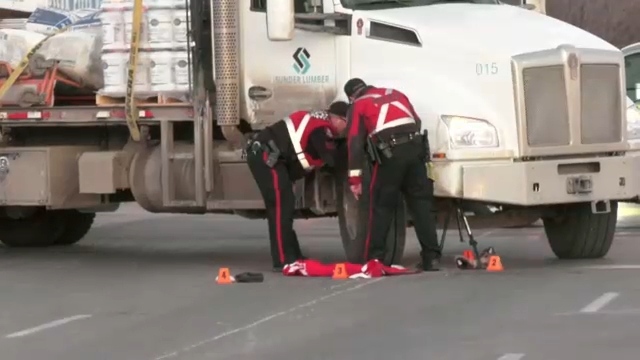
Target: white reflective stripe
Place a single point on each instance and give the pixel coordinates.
(105, 114)
(355, 173)
(384, 109)
(296, 139)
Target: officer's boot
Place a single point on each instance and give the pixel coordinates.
(430, 262)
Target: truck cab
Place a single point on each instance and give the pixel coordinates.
(524, 111)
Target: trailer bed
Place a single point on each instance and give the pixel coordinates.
(110, 114)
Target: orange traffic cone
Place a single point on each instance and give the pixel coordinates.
(224, 277)
(495, 264)
(340, 272)
(468, 254)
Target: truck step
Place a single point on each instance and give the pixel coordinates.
(158, 99)
(181, 156)
(182, 203)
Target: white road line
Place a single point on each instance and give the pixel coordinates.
(621, 312)
(600, 302)
(265, 319)
(511, 356)
(46, 326)
(613, 267)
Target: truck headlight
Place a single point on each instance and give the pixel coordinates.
(633, 122)
(465, 132)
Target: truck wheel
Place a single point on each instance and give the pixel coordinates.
(353, 217)
(577, 233)
(77, 225)
(38, 230)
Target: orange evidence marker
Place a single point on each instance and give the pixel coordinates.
(340, 272)
(495, 264)
(224, 277)
(468, 254)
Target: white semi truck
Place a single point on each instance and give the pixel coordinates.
(527, 119)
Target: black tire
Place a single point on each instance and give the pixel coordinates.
(77, 225)
(579, 234)
(353, 218)
(41, 229)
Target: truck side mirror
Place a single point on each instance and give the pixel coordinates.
(280, 20)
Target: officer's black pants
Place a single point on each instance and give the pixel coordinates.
(277, 191)
(404, 173)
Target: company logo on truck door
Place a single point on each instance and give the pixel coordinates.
(301, 58)
(301, 65)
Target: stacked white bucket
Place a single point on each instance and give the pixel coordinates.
(163, 68)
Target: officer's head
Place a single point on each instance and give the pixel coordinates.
(338, 116)
(354, 87)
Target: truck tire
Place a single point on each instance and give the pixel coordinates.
(41, 229)
(77, 225)
(353, 217)
(579, 234)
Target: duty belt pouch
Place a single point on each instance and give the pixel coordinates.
(273, 153)
(372, 151)
(385, 150)
(254, 147)
(270, 148)
(425, 145)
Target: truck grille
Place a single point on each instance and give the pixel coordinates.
(545, 99)
(546, 107)
(600, 104)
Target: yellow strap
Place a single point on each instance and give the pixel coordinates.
(130, 108)
(129, 103)
(18, 70)
(431, 174)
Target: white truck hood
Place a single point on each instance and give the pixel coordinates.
(463, 67)
(510, 30)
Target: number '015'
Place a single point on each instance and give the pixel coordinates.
(486, 69)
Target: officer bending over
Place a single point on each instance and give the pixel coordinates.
(383, 122)
(283, 153)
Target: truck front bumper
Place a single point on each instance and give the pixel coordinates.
(540, 182)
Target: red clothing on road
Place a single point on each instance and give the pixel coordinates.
(372, 269)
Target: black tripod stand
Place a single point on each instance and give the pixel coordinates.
(462, 221)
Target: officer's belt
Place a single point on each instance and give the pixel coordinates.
(397, 139)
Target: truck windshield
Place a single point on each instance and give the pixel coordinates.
(387, 4)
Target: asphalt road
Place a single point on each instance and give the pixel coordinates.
(142, 287)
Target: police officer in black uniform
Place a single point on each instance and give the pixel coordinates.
(384, 127)
(283, 153)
